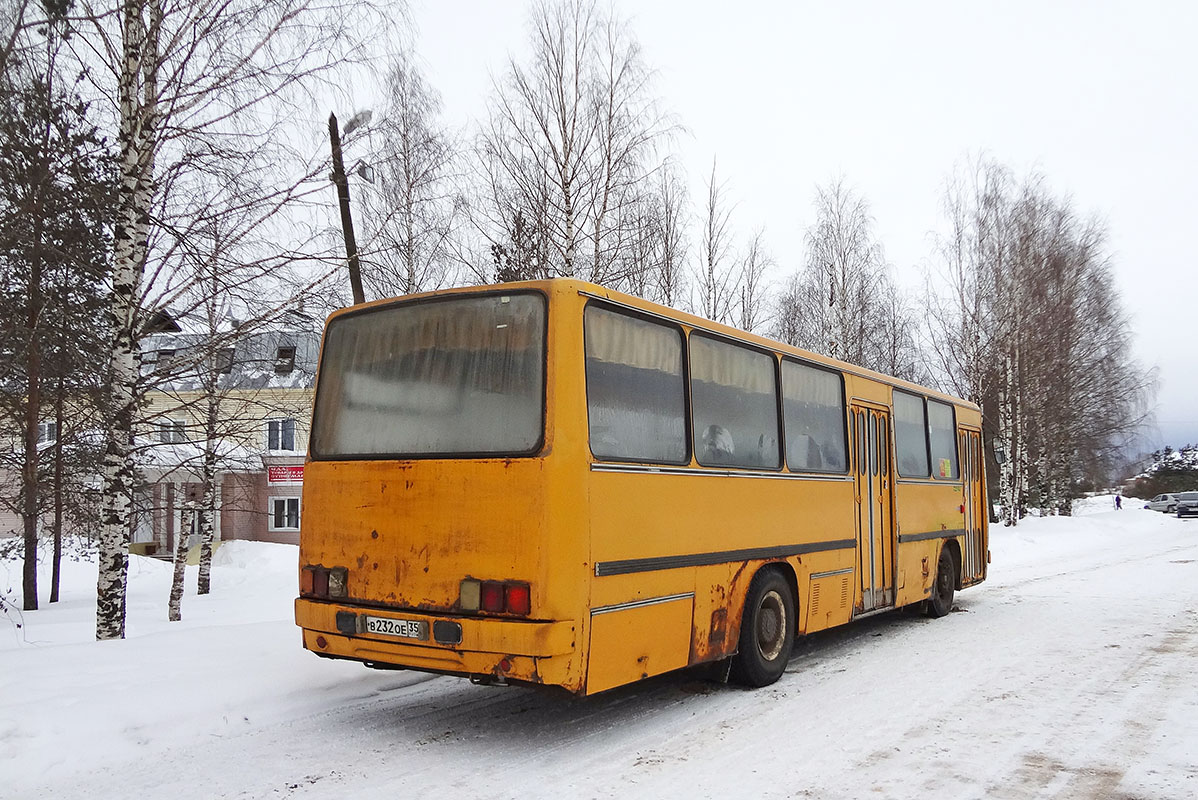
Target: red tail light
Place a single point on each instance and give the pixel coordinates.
(320, 582)
(491, 596)
(518, 599)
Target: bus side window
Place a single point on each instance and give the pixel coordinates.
(734, 404)
(943, 439)
(910, 436)
(813, 404)
(636, 396)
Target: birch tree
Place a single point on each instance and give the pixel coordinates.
(568, 142)
(715, 271)
(412, 211)
(201, 89)
(669, 265)
(844, 302)
(1025, 321)
(751, 290)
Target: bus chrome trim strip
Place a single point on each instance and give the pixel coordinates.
(627, 566)
(718, 473)
(920, 537)
(652, 601)
(818, 575)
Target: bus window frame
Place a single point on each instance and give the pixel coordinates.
(952, 407)
(844, 417)
(927, 445)
(778, 415)
(628, 311)
(536, 451)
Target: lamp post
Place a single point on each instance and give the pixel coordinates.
(347, 222)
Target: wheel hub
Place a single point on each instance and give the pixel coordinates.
(771, 623)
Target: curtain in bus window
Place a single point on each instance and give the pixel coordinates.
(910, 436)
(943, 439)
(439, 377)
(813, 400)
(636, 397)
(734, 405)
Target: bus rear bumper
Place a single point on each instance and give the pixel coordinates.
(502, 649)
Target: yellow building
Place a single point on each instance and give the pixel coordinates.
(245, 393)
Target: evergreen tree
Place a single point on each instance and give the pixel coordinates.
(56, 188)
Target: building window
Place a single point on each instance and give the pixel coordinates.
(224, 360)
(172, 431)
(163, 360)
(285, 360)
(47, 432)
(280, 434)
(284, 513)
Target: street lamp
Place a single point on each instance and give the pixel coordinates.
(347, 223)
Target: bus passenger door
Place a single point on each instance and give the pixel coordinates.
(974, 555)
(875, 531)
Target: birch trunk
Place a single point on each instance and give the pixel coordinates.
(138, 138)
(207, 505)
(184, 533)
(1005, 438)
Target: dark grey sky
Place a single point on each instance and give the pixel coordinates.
(1098, 96)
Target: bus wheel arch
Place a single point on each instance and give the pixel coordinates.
(946, 581)
(767, 628)
(954, 549)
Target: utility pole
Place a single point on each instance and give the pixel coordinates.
(347, 223)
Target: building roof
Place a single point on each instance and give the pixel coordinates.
(280, 354)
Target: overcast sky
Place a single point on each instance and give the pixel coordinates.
(1098, 96)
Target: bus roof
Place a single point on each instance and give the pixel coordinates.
(560, 286)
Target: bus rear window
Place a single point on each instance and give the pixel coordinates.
(462, 377)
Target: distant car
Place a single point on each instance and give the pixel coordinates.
(1187, 504)
(1163, 502)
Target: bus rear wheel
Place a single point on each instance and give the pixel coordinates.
(941, 601)
(767, 631)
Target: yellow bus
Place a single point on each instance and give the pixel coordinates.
(553, 483)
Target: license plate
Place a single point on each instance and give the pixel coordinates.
(403, 628)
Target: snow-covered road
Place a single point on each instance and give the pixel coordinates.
(1072, 673)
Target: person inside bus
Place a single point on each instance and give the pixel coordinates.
(717, 445)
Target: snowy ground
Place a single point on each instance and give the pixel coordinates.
(1071, 673)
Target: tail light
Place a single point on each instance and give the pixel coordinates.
(495, 597)
(320, 582)
(516, 598)
(491, 597)
(326, 583)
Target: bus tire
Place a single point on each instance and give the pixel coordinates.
(767, 631)
(941, 601)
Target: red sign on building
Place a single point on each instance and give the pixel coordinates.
(285, 474)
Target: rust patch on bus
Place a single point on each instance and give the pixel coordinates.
(718, 631)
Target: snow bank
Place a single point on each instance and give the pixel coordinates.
(1054, 678)
(73, 704)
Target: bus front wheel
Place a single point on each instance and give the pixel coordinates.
(767, 631)
(941, 601)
